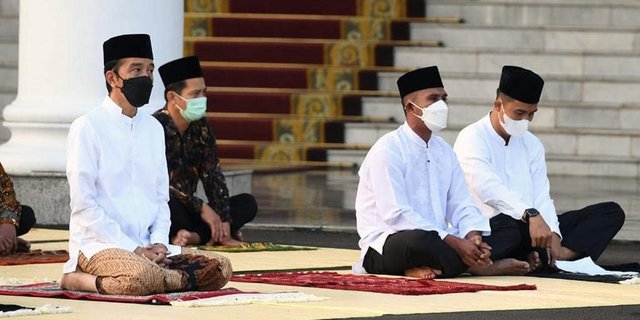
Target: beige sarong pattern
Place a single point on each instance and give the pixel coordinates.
(122, 272)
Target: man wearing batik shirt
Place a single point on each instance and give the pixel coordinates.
(191, 156)
(15, 219)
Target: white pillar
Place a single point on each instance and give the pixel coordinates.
(60, 70)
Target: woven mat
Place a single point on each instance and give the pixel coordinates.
(622, 279)
(35, 256)
(371, 283)
(52, 290)
(12, 310)
(253, 247)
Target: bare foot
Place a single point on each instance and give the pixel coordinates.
(237, 235)
(184, 238)
(534, 260)
(23, 245)
(502, 267)
(230, 242)
(567, 254)
(78, 281)
(423, 272)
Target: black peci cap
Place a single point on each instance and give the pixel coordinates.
(180, 69)
(127, 46)
(521, 84)
(419, 79)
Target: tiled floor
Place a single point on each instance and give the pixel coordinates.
(325, 198)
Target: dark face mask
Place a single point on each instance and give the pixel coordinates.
(137, 90)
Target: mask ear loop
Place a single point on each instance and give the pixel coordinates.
(504, 113)
(175, 104)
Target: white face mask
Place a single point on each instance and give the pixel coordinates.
(514, 128)
(434, 115)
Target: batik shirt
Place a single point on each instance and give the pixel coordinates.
(9, 206)
(190, 157)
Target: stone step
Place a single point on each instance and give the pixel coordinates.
(558, 115)
(9, 8)
(6, 97)
(574, 151)
(557, 88)
(490, 60)
(9, 76)
(8, 51)
(540, 39)
(556, 165)
(8, 26)
(569, 141)
(593, 13)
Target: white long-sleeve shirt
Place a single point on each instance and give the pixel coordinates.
(505, 178)
(405, 185)
(119, 185)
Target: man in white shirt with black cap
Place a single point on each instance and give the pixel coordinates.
(119, 189)
(414, 214)
(504, 165)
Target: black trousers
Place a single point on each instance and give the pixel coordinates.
(587, 231)
(411, 249)
(243, 208)
(27, 220)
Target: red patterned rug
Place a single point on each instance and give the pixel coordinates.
(35, 256)
(52, 290)
(371, 283)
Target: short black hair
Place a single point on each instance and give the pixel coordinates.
(500, 93)
(176, 87)
(111, 65)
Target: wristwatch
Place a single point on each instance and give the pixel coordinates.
(528, 213)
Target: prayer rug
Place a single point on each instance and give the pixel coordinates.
(53, 290)
(249, 298)
(361, 28)
(253, 247)
(12, 310)
(35, 256)
(622, 279)
(371, 283)
(372, 8)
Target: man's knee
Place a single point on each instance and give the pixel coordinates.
(505, 241)
(608, 214)
(138, 282)
(419, 242)
(248, 203)
(615, 214)
(27, 220)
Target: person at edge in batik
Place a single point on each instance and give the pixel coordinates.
(15, 219)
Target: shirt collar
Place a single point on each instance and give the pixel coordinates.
(115, 112)
(413, 137)
(486, 122)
